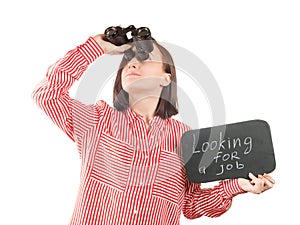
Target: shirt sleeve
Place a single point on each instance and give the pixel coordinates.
(52, 93)
(211, 202)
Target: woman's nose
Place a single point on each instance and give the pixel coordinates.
(133, 63)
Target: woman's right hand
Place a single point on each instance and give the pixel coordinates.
(258, 184)
(110, 48)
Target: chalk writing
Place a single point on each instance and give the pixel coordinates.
(228, 151)
(226, 157)
(229, 143)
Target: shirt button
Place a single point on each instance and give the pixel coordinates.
(135, 211)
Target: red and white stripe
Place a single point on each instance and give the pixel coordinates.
(128, 175)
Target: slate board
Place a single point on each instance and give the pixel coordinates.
(228, 151)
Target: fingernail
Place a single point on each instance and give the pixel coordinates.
(260, 176)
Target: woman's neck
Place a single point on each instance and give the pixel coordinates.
(144, 106)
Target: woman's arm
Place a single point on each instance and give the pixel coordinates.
(211, 202)
(52, 95)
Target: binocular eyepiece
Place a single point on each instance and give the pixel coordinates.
(140, 38)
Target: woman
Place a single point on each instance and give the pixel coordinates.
(132, 168)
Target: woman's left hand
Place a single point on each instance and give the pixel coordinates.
(258, 184)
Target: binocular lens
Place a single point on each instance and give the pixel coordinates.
(111, 32)
(129, 54)
(141, 56)
(143, 33)
(144, 46)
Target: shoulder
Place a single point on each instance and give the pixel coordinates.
(103, 105)
(178, 126)
(105, 110)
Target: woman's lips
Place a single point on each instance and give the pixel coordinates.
(132, 74)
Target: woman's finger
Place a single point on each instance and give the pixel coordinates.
(261, 183)
(258, 184)
(253, 177)
(266, 183)
(120, 49)
(267, 176)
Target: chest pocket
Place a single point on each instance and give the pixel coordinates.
(169, 181)
(112, 161)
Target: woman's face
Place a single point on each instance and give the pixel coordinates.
(147, 76)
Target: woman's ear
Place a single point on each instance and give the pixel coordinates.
(166, 79)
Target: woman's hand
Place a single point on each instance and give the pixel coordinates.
(258, 184)
(110, 48)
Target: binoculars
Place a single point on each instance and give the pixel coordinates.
(140, 38)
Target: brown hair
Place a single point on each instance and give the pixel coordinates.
(168, 104)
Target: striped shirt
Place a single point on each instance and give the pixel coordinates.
(128, 175)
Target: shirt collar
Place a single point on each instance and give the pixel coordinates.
(134, 116)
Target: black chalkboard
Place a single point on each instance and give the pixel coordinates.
(228, 151)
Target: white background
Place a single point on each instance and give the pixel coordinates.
(251, 47)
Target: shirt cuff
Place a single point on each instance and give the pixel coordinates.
(231, 188)
(91, 50)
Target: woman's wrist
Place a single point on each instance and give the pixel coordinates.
(243, 183)
(99, 39)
